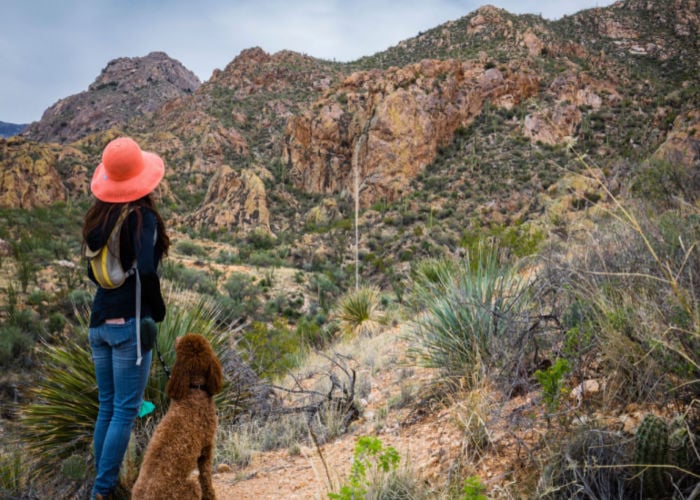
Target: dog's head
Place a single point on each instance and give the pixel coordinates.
(195, 362)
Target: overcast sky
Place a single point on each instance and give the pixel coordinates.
(50, 49)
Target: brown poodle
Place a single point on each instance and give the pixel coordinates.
(184, 438)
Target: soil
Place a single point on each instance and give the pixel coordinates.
(438, 436)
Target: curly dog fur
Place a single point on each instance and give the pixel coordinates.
(184, 438)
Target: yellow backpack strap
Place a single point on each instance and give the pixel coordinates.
(100, 262)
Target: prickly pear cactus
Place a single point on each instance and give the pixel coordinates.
(652, 448)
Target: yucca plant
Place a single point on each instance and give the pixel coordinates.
(57, 426)
(358, 311)
(463, 310)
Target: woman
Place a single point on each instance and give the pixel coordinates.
(125, 179)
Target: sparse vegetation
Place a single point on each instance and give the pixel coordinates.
(543, 315)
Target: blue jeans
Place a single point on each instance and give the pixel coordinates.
(120, 384)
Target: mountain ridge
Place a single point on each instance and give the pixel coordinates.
(291, 117)
(10, 129)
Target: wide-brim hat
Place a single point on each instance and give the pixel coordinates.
(126, 173)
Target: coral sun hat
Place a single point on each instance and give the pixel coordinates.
(126, 173)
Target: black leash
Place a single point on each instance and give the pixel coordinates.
(162, 361)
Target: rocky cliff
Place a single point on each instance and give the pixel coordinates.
(386, 126)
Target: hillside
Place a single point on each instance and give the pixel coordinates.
(571, 147)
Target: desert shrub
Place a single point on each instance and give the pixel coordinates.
(663, 181)
(191, 279)
(270, 350)
(243, 295)
(15, 345)
(190, 248)
(261, 239)
(464, 311)
(637, 280)
(588, 465)
(519, 239)
(324, 288)
(56, 323)
(551, 381)
(313, 331)
(264, 258)
(18, 335)
(80, 298)
(286, 304)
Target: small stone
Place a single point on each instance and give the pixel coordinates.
(223, 468)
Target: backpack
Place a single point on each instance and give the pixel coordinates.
(106, 262)
(107, 267)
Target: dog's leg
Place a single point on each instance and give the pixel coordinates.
(204, 463)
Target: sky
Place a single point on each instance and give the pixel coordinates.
(52, 49)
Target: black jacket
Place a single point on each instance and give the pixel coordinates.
(121, 302)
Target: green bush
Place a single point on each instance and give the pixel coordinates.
(552, 382)
(190, 248)
(371, 461)
(270, 350)
(242, 296)
(664, 181)
(520, 240)
(15, 345)
(261, 239)
(190, 279)
(312, 333)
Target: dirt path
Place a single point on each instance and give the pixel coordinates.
(428, 448)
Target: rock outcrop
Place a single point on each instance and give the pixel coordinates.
(682, 145)
(30, 173)
(570, 91)
(235, 201)
(387, 126)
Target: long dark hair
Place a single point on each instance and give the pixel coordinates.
(102, 214)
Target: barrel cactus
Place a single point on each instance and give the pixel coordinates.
(652, 451)
(666, 452)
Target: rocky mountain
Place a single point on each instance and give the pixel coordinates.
(477, 117)
(10, 129)
(125, 89)
(286, 174)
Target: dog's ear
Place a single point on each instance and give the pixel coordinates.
(215, 375)
(179, 382)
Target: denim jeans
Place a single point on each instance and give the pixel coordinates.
(121, 384)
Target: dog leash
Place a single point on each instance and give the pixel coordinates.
(162, 361)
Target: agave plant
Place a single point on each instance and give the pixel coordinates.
(56, 427)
